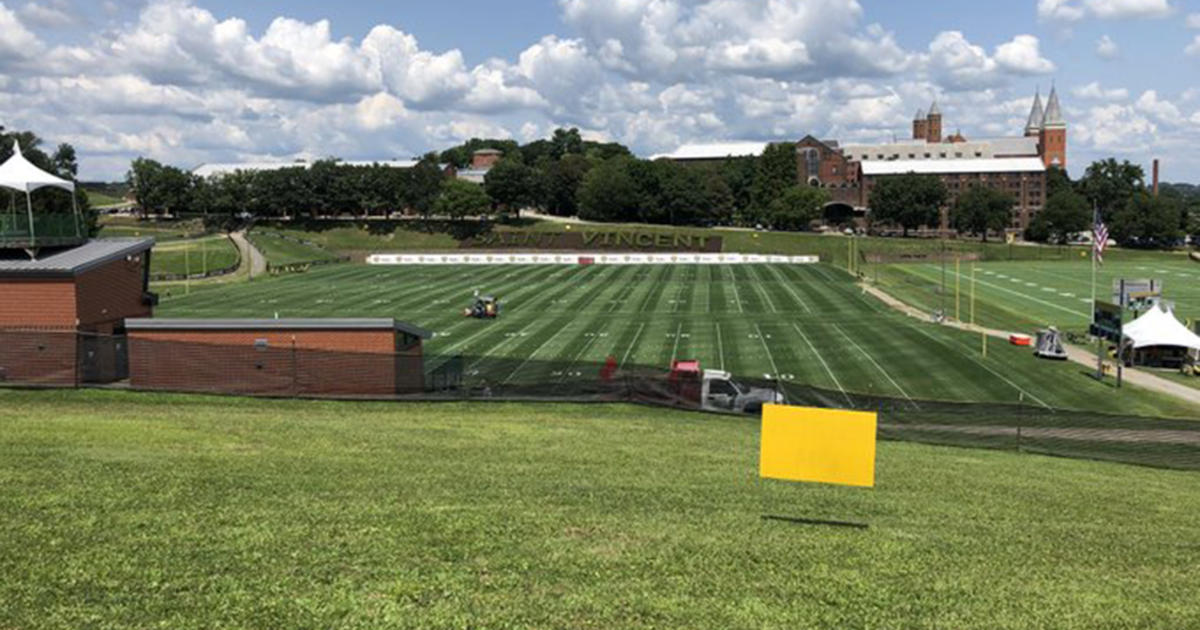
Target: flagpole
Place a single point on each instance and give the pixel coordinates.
(1095, 245)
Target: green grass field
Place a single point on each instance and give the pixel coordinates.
(193, 255)
(1028, 295)
(285, 251)
(806, 324)
(160, 231)
(134, 510)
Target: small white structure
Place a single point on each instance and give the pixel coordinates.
(1157, 338)
(20, 174)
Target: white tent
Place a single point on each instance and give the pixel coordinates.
(1158, 327)
(20, 174)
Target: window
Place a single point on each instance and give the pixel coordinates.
(958, 154)
(927, 156)
(812, 161)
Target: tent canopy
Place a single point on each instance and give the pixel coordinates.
(1158, 327)
(20, 174)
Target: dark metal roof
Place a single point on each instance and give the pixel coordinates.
(332, 323)
(76, 260)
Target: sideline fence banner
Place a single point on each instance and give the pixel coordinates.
(595, 258)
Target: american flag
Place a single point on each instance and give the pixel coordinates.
(1099, 239)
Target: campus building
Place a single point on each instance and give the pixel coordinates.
(1014, 164)
(63, 313)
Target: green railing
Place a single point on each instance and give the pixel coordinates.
(49, 230)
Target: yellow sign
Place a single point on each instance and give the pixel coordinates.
(1011, 237)
(818, 445)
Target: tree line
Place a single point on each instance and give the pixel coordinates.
(569, 176)
(562, 175)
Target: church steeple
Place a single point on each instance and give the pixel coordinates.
(1034, 124)
(1053, 118)
(1052, 137)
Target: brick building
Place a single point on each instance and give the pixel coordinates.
(282, 357)
(1015, 164)
(62, 314)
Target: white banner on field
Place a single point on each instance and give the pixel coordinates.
(596, 258)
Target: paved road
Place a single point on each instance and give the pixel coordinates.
(1074, 353)
(250, 253)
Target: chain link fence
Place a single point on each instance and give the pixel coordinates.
(47, 358)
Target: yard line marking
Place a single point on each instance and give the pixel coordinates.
(822, 360)
(533, 354)
(737, 298)
(575, 360)
(631, 344)
(720, 347)
(790, 289)
(763, 338)
(877, 366)
(758, 286)
(984, 366)
(675, 350)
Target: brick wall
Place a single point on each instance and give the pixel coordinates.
(110, 293)
(38, 357)
(37, 302)
(302, 362)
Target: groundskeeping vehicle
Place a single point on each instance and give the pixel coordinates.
(716, 390)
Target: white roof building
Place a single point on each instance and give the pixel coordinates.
(1158, 327)
(714, 150)
(953, 166)
(228, 168)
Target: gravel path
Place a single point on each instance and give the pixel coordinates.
(258, 262)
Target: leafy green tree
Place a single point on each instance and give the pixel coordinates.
(910, 201)
(1111, 185)
(160, 189)
(798, 207)
(681, 198)
(739, 174)
(424, 185)
(1066, 213)
(1148, 222)
(1057, 180)
(460, 198)
(511, 185)
(775, 174)
(561, 182)
(609, 192)
(980, 210)
(566, 142)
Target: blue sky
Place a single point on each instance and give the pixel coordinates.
(187, 82)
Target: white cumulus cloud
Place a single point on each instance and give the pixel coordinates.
(1106, 48)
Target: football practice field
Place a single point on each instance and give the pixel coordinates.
(807, 324)
(1024, 295)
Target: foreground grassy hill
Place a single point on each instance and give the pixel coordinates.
(129, 510)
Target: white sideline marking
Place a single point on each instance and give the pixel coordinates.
(822, 360)
(530, 357)
(787, 286)
(631, 343)
(877, 366)
(720, 347)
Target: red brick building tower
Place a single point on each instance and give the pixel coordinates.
(1052, 138)
(934, 129)
(920, 126)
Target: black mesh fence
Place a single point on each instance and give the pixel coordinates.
(254, 367)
